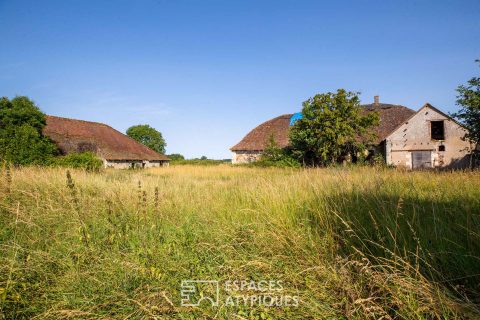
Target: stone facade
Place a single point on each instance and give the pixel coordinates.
(427, 138)
(414, 145)
(243, 156)
(133, 164)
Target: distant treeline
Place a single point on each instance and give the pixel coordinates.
(178, 159)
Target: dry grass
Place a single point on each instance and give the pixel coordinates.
(359, 243)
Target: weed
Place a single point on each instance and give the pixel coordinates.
(352, 243)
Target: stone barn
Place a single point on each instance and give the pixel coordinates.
(427, 138)
(113, 147)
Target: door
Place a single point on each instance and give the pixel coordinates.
(421, 159)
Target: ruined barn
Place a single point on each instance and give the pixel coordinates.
(427, 138)
(114, 148)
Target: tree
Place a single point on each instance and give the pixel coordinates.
(469, 115)
(275, 156)
(272, 151)
(21, 139)
(148, 136)
(332, 127)
(176, 156)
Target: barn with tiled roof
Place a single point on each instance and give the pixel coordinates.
(427, 138)
(113, 147)
(256, 140)
(252, 145)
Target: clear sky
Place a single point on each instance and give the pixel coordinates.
(204, 73)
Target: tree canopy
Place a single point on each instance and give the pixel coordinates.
(176, 156)
(332, 127)
(21, 138)
(148, 136)
(469, 101)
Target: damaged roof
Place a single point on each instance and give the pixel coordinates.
(79, 136)
(391, 116)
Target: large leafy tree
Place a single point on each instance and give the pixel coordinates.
(21, 138)
(333, 127)
(469, 101)
(148, 136)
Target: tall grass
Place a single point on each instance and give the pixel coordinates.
(359, 243)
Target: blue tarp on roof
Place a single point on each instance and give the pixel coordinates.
(295, 117)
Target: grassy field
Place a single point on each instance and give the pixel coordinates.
(349, 243)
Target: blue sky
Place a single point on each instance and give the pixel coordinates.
(204, 73)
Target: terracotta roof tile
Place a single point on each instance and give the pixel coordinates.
(256, 140)
(391, 116)
(77, 135)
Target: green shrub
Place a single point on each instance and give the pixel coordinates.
(274, 156)
(378, 160)
(85, 160)
(200, 162)
(284, 162)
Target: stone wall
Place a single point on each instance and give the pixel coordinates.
(415, 135)
(133, 164)
(245, 156)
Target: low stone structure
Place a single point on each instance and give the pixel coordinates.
(134, 164)
(427, 138)
(246, 156)
(113, 147)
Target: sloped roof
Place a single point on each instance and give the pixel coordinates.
(77, 135)
(391, 116)
(257, 139)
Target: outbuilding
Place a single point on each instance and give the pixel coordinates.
(427, 138)
(114, 148)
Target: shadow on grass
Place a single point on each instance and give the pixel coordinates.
(440, 238)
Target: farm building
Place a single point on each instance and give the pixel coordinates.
(113, 147)
(428, 139)
(424, 139)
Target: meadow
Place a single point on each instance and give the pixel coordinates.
(350, 242)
